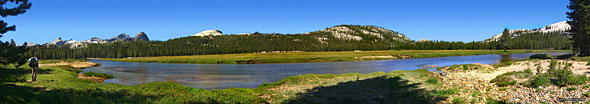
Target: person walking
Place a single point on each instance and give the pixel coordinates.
(34, 64)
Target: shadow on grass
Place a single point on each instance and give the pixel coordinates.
(13, 94)
(381, 90)
(18, 75)
(17, 94)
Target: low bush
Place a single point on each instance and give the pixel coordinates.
(444, 92)
(508, 79)
(459, 101)
(432, 80)
(503, 84)
(503, 64)
(566, 56)
(541, 80)
(94, 74)
(541, 56)
(489, 100)
(570, 89)
(577, 79)
(528, 71)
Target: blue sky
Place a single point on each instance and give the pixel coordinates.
(450, 20)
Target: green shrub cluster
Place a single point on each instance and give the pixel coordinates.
(541, 56)
(104, 75)
(558, 74)
(432, 80)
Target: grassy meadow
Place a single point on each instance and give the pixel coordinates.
(301, 57)
(59, 84)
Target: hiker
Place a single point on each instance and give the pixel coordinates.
(34, 64)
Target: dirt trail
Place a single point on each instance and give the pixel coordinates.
(73, 64)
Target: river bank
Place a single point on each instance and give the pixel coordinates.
(305, 57)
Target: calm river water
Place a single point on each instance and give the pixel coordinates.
(217, 76)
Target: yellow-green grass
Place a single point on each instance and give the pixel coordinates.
(301, 57)
(59, 85)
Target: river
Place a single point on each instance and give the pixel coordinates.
(218, 76)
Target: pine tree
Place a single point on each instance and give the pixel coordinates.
(580, 22)
(22, 7)
(504, 39)
(9, 52)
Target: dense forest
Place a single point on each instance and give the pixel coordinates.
(272, 42)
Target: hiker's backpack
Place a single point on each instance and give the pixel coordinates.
(32, 62)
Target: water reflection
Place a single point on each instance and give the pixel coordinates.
(215, 76)
(506, 58)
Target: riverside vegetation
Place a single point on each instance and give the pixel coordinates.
(297, 57)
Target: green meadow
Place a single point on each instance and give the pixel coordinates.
(301, 57)
(59, 84)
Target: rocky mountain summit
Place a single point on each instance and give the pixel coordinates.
(357, 32)
(209, 33)
(141, 36)
(556, 27)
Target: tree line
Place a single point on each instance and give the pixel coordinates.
(260, 42)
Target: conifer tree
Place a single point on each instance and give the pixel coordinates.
(580, 22)
(504, 39)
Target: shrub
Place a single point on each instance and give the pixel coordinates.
(492, 101)
(570, 89)
(432, 81)
(587, 94)
(528, 71)
(508, 79)
(541, 80)
(552, 66)
(562, 77)
(588, 64)
(539, 69)
(541, 56)
(577, 79)
(444, 92)
(503, 64)
(104, 75)
(566, 56)
(475, 93)
(502, 84)
(459, 101)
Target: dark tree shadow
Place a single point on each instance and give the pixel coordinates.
(380, 90)
(14, 75)
(16, 94)
(13, 94)
(19, 75)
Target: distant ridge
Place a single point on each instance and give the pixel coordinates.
(556, 27)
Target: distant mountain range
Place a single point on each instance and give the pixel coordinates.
(141, 36)
(340, 32)
(556, 27)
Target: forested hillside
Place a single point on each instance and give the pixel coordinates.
(337, 38)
